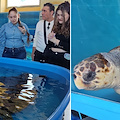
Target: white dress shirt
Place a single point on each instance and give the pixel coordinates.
(39, 41)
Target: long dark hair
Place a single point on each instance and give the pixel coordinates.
(13, 9)
(63, 28)
(19, 22)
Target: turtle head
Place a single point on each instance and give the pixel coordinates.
(93, 73)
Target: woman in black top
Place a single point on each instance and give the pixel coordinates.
(58, 49)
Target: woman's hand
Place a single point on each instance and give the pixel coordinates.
(51, 37)
(22, 29)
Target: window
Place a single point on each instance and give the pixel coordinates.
(21, 3)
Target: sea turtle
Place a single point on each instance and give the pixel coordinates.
(16, 93)
(99, 71)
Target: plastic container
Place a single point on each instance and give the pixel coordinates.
(43, 69)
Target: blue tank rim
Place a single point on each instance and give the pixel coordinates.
(34, 65)
(18, 64)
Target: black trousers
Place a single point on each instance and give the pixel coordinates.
(39, 57)
(57, 58)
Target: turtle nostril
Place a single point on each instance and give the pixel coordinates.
(74, 76)
(89, 76)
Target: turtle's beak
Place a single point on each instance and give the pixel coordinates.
(78, 82)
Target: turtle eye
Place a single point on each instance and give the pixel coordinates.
(74, 76)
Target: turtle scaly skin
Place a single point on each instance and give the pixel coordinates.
(99, 71)
(15, 95)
